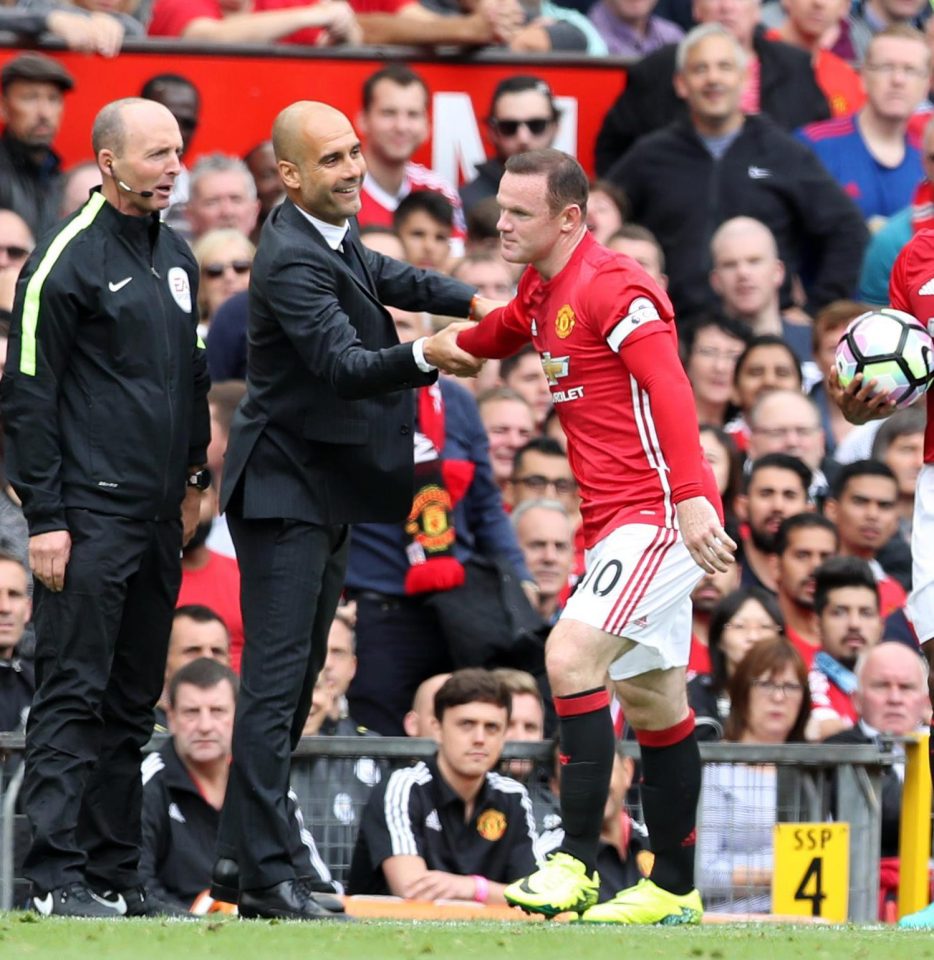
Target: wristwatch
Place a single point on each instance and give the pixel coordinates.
(200, 479)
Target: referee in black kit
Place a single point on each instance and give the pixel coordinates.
(105, 406)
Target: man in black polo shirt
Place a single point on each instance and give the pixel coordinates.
(448, 828)
(183, 790)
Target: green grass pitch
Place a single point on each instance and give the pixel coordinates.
(25, 937)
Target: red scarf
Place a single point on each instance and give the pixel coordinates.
(439, 484)
(922, 207)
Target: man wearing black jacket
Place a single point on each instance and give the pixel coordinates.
(686, 179)
(788, 93)
(105, 408)
(323, 439)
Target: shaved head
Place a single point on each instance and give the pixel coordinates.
(300, 121)
(743, 229)
(110, 125)
(320, 160)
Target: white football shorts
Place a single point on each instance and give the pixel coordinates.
(921, 601)
(637, 585)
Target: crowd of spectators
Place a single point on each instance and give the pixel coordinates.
(764, 164)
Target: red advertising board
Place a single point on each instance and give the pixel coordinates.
(242, 92)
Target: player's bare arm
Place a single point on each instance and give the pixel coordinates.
(703, 534)
(860, 402)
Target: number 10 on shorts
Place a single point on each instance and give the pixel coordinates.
(812, 870)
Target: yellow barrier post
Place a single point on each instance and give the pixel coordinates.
(914, 845)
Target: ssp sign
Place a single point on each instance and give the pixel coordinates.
(812, 870)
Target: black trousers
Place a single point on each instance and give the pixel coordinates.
(399, 644)
(100, 665)
(291, 576)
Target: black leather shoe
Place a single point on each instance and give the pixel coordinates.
(322, 893)
(284, 901)
(141, 903)
(225, 880)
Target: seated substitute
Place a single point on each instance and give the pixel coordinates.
(184, 784)
(448, 827)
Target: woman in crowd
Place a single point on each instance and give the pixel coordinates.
(226, 259)
(770, 704)
(607, 207)
(711, 349)
(741, 620)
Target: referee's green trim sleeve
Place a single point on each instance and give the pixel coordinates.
(32, 299)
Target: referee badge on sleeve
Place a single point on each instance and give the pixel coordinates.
(180, 288)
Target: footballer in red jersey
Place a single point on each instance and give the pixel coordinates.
(911, 288)
(606, 336)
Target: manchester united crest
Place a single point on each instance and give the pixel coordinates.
(491, 824)
(564, 322)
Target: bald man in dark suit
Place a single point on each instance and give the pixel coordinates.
(322, 439)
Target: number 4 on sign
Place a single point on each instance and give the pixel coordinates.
(812, 870)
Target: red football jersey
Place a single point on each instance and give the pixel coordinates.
(911, 288)
(632, 434)
(378, 206)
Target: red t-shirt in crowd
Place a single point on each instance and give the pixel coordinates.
(171, 17)
(606, 335)
(309, 35)
(217, 585)
(698, 659)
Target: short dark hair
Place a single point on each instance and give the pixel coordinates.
(902, 423)
(472, 685)
(547, 446)
(565, 180)
(859, 468)
(838, 572)
(723, 613)
(635, 231)
(521, 84)
(437, 206)
(398, 73)
(781, 461)
(199, 613)
(150, 87)
(205, 674)
(726, 325)
(766, 340)
(508, 364)
(802, 521)
(767, 656)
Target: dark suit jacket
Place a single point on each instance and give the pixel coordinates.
(789, 93)
(324, 433)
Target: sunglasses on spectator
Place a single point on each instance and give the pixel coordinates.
(509, 128)
(215, 270)
(14, 253)
(539, 483)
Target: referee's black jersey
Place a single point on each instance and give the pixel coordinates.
(416, 813)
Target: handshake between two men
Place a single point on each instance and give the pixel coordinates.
(441, 349)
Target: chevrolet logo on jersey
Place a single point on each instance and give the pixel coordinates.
(555, 368)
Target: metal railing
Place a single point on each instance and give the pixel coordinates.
(803, 781)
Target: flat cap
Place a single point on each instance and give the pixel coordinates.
(35, 66)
